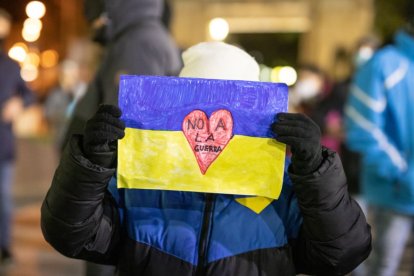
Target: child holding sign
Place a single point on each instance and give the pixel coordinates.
(149, 227)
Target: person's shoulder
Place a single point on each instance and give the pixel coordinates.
(390, 60)
(9, 63)
(6, 59)
(387, 53)
(384, 62)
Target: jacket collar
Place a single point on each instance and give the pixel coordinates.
(405, 43)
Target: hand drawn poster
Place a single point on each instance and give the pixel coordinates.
(201, 135)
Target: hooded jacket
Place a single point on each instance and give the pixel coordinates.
(380, 125)
(314, 227)
(138, 44)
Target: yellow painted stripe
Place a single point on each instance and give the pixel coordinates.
(163, 160)
(257, 204)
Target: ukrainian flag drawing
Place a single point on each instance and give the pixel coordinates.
(201, 135)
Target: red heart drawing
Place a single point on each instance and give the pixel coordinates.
(208, 138)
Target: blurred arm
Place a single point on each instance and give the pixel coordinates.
(24, 92)
(365, 124)
(80, 218)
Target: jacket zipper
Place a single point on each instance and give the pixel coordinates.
(205, 227)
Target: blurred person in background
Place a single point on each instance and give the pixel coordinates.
(312, 96)
(380, 125)
(137, 42)
(14, 95)
(335, 103)
(60, 103)
(364, 50)
(310, 88)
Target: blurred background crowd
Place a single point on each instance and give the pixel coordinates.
(70, 55)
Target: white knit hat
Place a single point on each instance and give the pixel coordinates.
(218, 60)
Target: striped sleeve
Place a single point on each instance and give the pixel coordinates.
(366, 116)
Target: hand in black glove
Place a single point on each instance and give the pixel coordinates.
(102, 132)
(303, 136)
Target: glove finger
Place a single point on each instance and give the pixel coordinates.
(288, 130)
(96, 138)
(107, 119)
(290, 116)
(299, 120)
(102, 133)
(104, 128)
(300, 124)
(111, 109)
(292, 141)
(293, 117)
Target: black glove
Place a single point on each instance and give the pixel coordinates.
(102, 132)
(303, 136)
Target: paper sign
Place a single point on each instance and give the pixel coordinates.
(201, 135)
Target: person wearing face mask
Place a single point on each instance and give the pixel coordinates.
(364, 50)
(380, 126)
(309, 89)
(312, 96)
(14, 95)
(136, 42)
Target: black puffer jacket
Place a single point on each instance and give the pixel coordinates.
(314, 227)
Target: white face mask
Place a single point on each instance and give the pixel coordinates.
(305, 90)
(363, 55)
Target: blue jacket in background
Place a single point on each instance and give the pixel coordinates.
(11, 85)
(380, 125)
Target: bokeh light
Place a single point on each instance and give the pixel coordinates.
(30, 36)
(288, 75)
(218, 29)
(285, 74)
(31, 29)
(49, 58)
(32, 58)
(265, 73)
(33, 25)
(18, 52)
(5, 27)
(29, 72)
(35, 9)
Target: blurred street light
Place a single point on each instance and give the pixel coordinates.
(30, 36)
(265, 73)
(31, 29)
(218, 28)
(5, 27)
(32, 58)
(29, 72)
(33, 25)
(35, 9)
(49, 58)
(285, 74)
(18, 52)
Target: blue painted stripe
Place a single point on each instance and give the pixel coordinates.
(161, 103)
